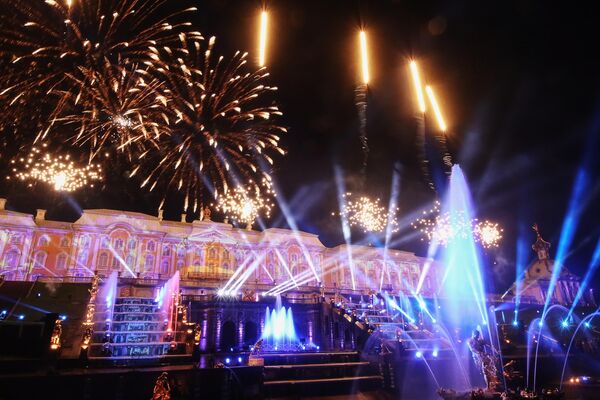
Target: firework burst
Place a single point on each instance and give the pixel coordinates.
(73, 61)
(443, 228)
(218, 125)
(367, 214)
(244, 204)
(60, 172)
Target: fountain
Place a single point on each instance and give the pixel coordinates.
(279, 333)
(462, 288)
(137, 327)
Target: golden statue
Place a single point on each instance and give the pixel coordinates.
(162, 390)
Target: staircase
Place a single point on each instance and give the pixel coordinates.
(135, 329)
(306, 374)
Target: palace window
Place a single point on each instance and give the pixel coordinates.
(61, 261)
(212, 253)
(166, 250)
(115, 263)
(150, 246)
(39, 260)
(64, 242)
(180, 251)
(164, 267)
(179, 264)
(11, 259)
(131, 244)
(104, 243)
(148, 263)
(118, 244)
(129, 261)
(43, 241)
(225, 254)
(15, 239)
(85, 241)
(103, 260)
(198, 251)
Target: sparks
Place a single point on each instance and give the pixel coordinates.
(244, 204)
(368, 214)
(60, 172)
(445, 227)
(436, 108)
(364, 57)
(262, 38)
(414, 69)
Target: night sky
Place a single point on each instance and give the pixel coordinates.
(518, 81)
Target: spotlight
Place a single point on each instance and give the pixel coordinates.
(318, 348)
(419, 354)
(435, 353)
(540, 324)
(239, 360)
(227, 360)
(564, 323)
(63, 317)
(21, 316)
(515, 323)
(586, 324)
(422, 304)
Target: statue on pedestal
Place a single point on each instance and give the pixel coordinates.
(162, 390)
(484, 356)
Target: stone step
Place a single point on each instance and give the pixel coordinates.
(323, 386)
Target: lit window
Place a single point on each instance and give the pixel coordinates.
(43, 241)
(118, 244)
(40, 260)
(61, 261)
(150, 246)
(103, 260)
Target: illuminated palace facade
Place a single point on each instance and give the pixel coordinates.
(208, 255)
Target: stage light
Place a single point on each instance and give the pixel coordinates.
(540, 324)
(564, 323)
(515, 323)
(419, 354)
(21, 316)
(586, 324)
(239, 360)
(435, 353)
(63, 317)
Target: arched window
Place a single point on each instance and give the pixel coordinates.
(11, 259)
(131, 244)
(118, 244)
(64, 242)
(180, 251)
(43, 241)
(103, 260)
(149, 262)
(150, 246)
(129, 261)
(104, 243)
(166, 250)
(294, 258)
(39, 261)
(61, 261)
(115, 262)
(164, 268)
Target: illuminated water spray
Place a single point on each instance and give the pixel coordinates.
(279, 332)
(462, 282)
